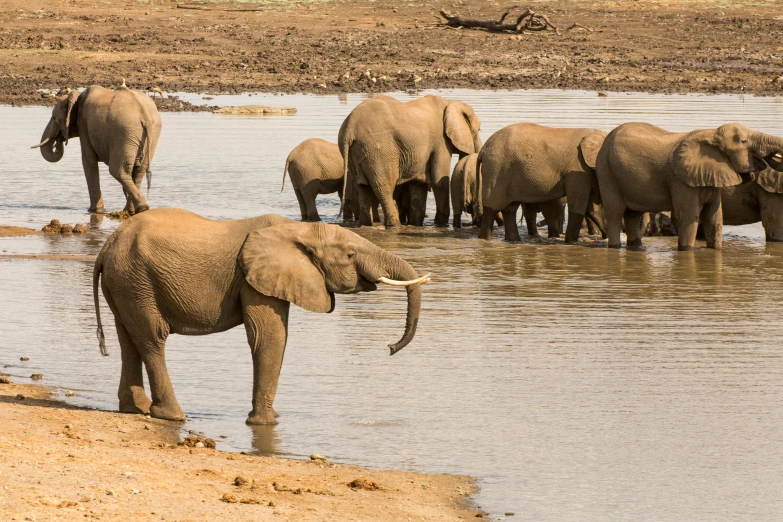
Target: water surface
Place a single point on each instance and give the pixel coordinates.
(576, 383)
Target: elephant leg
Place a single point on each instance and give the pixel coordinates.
(131, 393)
(365, 203)
(91, 173)
(553, 213)
(441, 192)
(152, 347)
(376, 217)
(122, 172)
(530, 212)
(633, 228)
(499, 219)
(686, 209)
(266, 325)
(302, 203)
(487, 221)
(712, 222)
(509, 221)
(417, 198)
(771, 209)
(310, 208)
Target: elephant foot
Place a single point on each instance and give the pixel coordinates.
(167, 412)
(265, 417)
(136, 405)
(97, 210)
(634, 243)
(684, 248)
(617, 246)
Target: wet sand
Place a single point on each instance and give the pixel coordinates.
(61, 461)
(282, 46)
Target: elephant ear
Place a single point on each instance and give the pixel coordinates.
(459, 120)
(698, 162)
(590, 145)
(276, 262)
(771, 180)
(70, 116)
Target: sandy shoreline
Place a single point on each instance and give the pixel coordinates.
(57, 460)
(673, 47)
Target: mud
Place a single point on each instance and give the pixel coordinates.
(222, 47)
(6, 231)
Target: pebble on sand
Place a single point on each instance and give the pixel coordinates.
(316, 456)
(229, 497)
(363, 483)
(5, 379)
(24, 358)
(240, 481)
(36, 376)
(68, 393)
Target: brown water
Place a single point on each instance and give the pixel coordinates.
(575, 382)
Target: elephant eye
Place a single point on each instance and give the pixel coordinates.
(351, 255)
(744, 141)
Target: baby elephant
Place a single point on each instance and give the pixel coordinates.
(315, 167)
(170, 271)
(463, 192)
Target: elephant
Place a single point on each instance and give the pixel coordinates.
(119, 128)
(386, 143)
(315, 167)
(760, 200)
(529, 163)
(643, 168)
(171, 271)
(594, 223)
(463, 192)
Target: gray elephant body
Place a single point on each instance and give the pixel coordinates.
(315, 167)
(118, 128)
(760, 200)
(386, 143)
(642, 168)
(170, 271)
(464, 192)
(529, 163)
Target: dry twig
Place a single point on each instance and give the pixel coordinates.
(528, 20)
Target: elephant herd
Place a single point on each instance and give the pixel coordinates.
(170, 271)
(391, 154)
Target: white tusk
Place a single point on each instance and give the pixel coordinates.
(423, 279)
(44, 142)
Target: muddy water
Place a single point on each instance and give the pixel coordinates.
(575, 382)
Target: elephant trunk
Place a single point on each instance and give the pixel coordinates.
(390, 269)
(52, 143)
(770, 149)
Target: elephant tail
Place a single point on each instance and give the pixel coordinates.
(478, 202)
(146, 155)
(285, 170)
(96, 274)
(345, 147)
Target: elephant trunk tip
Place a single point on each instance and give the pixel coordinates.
(407, 338)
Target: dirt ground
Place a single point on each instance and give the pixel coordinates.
(65, 463)
(308, 46)
(6, 231)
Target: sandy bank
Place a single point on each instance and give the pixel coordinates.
(58, 461)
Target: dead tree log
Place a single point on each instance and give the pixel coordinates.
(528, 20)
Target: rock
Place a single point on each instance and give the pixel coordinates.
(229, 497)
(79, 229)
(5, 379)
(199, 444)
(53, 227)
(109, 492)
(121, 215)
(66, 230)
(68, 393)
(36, 376)
(23, 358)
(209, 443)
(509, 514)
(67, 426)
(198, 441)
(254, 109)
(316, 456)
(240, 481)
(19, 397)
(147, 427)
(363, 483)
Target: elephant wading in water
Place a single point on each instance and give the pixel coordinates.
(170, 271)
(760, 200)
(464, 196)
(529, 163)
(643, 168)
(119, 128)
(386, 143)
(315, 167)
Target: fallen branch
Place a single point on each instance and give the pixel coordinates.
(202, 8)
(528, 20)
(579, 26)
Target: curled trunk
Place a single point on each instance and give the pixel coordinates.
(52, 150)
(384, 264)
(770, 148)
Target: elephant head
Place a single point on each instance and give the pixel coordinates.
(62, 125)
(724, 156)
(307, 263)
(462, 126)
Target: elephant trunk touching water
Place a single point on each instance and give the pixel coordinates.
(170, 271)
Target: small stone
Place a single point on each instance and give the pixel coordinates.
(363, 483)
(24, 358)
(147, 427)
(5, 379)
(240, 480)
(316, 456)
(209, 443)
(229, 498)
(271, 504)
(134, 492)
(67, 426)
(199, 444)
(36, 376)
(69, 393)
(66, 230)
(79, 229)
(110, 492)
(509, 513)
(19, 397)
